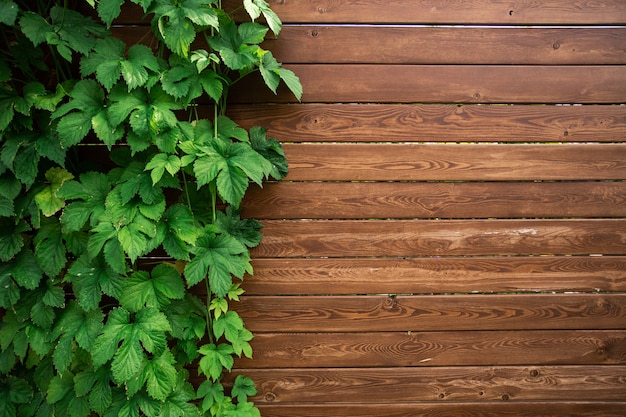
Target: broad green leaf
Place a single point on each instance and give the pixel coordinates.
(215, 359)
(35, 27)
(220, 257)
(105, 61)
(105, 131)
(241, 345)
(292, 81)
(91, 278)
(228, 325)
(92, 189)
(26, 270)
(50, 248)
(47, 200)
(163, 162)
(246, 231)
(210, 393)
(270, 149)
(9, 291)
(252, 33)
(243, 387)
(11, 240)
(8, 12)
(160, 376)
(154, 289)
(227, 128)
(60, 387)
(86, 102)
(109, 10)
(219, 306)
(135, 69)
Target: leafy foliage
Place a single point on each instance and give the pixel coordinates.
(89, 324)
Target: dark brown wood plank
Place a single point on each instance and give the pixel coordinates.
(350, 83)
(409, 238)
(436, 275)
(455, 162)
(449, 12)
(480, 384)
(448, 45)
(389, 349)
(446, 409)
(435, 123)
(366, 200)
(431, 313)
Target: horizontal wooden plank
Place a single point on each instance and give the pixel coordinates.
(412, 238)
(435, 123)
(366, 200)
(436, 275)
(480, 384)
(350, 83)
(389, 349)
(431, 313)
(446, 409)
(454, 162)
(448, 45)
(449, 12)
(502, 12)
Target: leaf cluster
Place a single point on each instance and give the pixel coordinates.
(122, 248)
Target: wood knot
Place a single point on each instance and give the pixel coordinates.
(556, 45)
(390, 302)
(314, 33)
(534, 373)
(505, 397)
(270, 396)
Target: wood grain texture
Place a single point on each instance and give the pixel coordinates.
(445, 409)
(435, 312)
(436, 275)
(480, 384)
(410, 238)
(443, 45)
(434, 123)
(350, 83)
(427, 349)
(501, 12)
(366, 200)
(455, 162)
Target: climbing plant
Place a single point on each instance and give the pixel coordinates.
(121, 177)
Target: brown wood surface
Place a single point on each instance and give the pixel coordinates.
(332, 238)
(501, 12)
(397, 385)
(363, 200)
(425, 349)
(440, 45)
(435, 123)
(447, 409)
(349, 83)
(405, 313)
(454, 162)
(436, 275)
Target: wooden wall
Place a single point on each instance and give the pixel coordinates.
(451, 238)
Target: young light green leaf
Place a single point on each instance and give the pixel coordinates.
(162, 162)
(243, 387)
(215, 359)
(228, 325)
(47, 200)
(241, 345)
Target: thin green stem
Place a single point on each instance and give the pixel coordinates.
(209, 319)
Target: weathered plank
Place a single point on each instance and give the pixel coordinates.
(445, 409)
(435, 123)
(349, 83)
(410, 238)
(388, 349)
(480, 384)
(456, 162)
(366, 200)
(431, 313)
(436, 275)
(499, 12)
(441, 45)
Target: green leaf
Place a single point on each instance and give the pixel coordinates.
(91, 278)
(35, 27)
(8, 12)
(50, 248)
(109, 10)
(292, 81)
(26, 271)
(47, 200)
(227, 129)
(92, 189)
(228, 325)
(86, 102)
(161, 376)
(152, 290)
(215, 359)
(211, 393)
(162, 162)
(11, 240)
(220, 257)
(105, 61)
(270, 149)
(241, 345)
(135, 69)
(106, 132)
(243, 387)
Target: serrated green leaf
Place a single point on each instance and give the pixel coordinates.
(292, 81)
(243, 387)
(227, 128)
(160, 376)
(215, 359)
(50, 248)
(47, 200)
(228, 325)
(35, 27)
(8, 12)
(59, 388)
(211, 393)
(26, 270)
(91, 278)
(9, 291)
(241, 345)
(105, 131)
(105, 61)
(152, 290)
(109, 10)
